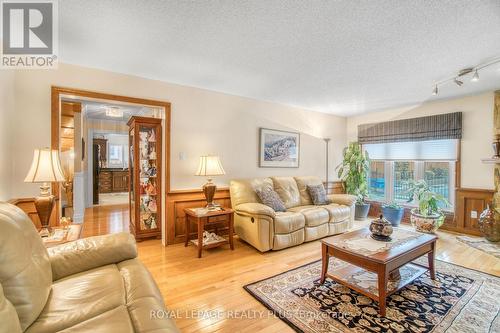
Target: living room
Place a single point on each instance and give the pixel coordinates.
(251, 203)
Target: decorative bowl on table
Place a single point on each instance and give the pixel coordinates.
(381, 229)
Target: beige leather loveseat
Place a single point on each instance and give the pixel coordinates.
(266, 229)
(93, 285)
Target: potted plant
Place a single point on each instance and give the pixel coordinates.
(393, 212)
(354, 171)
(428, 217)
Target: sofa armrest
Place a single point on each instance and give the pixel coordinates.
(255, 209)
(343, 199)
(88, 253)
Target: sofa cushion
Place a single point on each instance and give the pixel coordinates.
(302, 183)
(95, 298)
(287, 189)
(80, 297)
(316, 232)
(243, 190)
(282, 241)
(313, 215)
(318, 194)
(25, 272)
(287, 222)
(270, 198)
(337, 213)
(115, 320)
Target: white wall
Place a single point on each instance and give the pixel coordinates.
(477, 132)
(7, 81)
(202, 122)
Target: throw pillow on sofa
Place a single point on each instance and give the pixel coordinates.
(318, 194)
(270, 198)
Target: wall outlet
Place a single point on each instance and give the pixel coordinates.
(182, 156)
(473, 214)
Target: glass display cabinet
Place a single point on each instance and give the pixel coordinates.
(145, 177)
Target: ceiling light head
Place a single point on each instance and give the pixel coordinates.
(475, 77)
(458, 82)
(435, 90)
(114, 112)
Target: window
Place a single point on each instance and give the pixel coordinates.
(403, 173)
(437, 175)
(376, 181)
(393, 165)
(115, 156)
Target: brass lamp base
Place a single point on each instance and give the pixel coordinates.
(209, 190)
(44, 205)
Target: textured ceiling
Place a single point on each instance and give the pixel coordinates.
(340, 57)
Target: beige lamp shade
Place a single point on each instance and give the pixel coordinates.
(210, 166)
(45, 167)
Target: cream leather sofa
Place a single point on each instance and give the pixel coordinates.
(93, 285)
(266, 229)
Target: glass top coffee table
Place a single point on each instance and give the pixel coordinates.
(365, 255)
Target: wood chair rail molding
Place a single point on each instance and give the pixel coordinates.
(178, 200)
(58, 92)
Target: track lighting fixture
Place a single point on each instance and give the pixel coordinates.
(457, 78)
(475, 77)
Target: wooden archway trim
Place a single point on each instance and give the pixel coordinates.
(56, 93)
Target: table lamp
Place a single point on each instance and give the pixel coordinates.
(45, 168)
(210, 166)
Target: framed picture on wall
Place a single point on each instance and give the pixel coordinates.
(279, 149)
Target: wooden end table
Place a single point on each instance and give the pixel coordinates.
(385, 262)
(207, 218)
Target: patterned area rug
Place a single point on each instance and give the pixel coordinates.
(459, 300)
(482, 244)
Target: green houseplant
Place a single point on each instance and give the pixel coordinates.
(354, 172)
(393, 212)
(428, 217)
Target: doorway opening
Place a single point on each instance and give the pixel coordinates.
(91, 132)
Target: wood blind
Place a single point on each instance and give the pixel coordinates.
(442, 126)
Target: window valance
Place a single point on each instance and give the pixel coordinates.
(438, 127)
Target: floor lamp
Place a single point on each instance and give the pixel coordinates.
(327, 141)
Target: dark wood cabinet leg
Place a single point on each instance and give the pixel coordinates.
(431, 259)
(200, 236)
(382, 289)
(324, 262)
(188, 231)
(231, 230)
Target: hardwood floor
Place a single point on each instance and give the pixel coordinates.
(206, 295)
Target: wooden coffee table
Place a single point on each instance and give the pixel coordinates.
(362, 253)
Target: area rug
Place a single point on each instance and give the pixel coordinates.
(459, 300)
(482, 244)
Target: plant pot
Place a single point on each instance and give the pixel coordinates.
(393, 215)
(428, 224)
(361, 211)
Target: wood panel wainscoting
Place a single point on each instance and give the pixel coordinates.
(467, 200)
(28, 206)
(180, 199)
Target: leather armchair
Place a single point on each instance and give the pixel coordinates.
(265, 229)
(94, 284)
